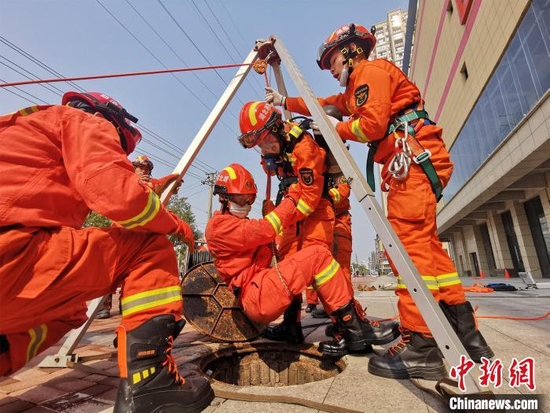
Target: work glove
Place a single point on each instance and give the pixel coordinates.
(315, 127)
(274, 98)
(159, 185)
(184, 233)
(267, 207)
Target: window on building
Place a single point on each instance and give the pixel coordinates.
(518, 82)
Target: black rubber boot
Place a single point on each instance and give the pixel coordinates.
(319, 313)
(290, 330)
(359, 333)
(414, 356)
(310, 308)
(332, 329)
(153, 383)
(461, 317)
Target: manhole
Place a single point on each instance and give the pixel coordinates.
(270, 364)
(212, 308)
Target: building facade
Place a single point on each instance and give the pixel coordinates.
(390, 37)
(483, 68)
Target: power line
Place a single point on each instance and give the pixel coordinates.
(169, 47)
(18, 95)
(227, 36)
(55, 73)
(45, 86)
(196, 47)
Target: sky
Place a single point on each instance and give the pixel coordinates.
(42, 39)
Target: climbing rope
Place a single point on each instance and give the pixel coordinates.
(149, 72)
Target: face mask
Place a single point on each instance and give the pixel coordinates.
(239, 211)
(344, 76)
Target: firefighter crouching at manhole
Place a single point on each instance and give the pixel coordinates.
(293, 156)
(243, 250)
(378, 95)
(143, 168)
(57, 163)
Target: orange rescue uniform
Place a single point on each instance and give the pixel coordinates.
(56, 164)
(242, 255)
(342, 248)
(314, 221)
(378, 92)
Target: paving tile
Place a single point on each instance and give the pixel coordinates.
(39, 409)
(96, 389)
(109, 395)
(16, 406)
(38, 394)
(67, 402)
(89, 406)
(71, 386)
(6, 400)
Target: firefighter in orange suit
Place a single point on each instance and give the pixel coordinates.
(57, 163)
(291, 154)
(243, 250)
(342, 245)
(386, 111)
(342, 248)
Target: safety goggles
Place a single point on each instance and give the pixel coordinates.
(250, 139)
(243, 199)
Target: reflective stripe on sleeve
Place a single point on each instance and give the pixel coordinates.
(357, 131)
(149, 212)
(149, 299)
(304, 208)
(275, 221)
(335, 195)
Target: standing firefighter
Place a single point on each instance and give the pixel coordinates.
(57, 163)
(386, 111)
(243, 250)
(291, 154)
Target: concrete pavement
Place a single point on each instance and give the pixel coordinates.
(36, 390)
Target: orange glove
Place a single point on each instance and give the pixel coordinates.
(159, 185)
(184, 233)
(294, 193)
(267, 206)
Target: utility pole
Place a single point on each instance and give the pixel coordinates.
(210, 180)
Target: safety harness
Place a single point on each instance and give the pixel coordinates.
(407, 148)
(292, 138)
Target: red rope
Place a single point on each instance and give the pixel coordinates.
(150, 72)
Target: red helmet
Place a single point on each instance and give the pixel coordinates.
(340, 38)
(143, 160)
(257, 120)
(113, 111)
(235, 180)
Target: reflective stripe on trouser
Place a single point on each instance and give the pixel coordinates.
(412, 214)
(316, 229)
(264, 298)
(56, 272)
(27, 345)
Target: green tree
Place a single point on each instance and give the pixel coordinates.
(182, 209)
(96, 220)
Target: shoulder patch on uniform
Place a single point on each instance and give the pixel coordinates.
(307, 176)
(361, 95)
(342, 180)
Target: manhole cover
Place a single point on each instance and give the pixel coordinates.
(212, 309)
(271, 365)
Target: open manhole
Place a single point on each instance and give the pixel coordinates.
(270, 364)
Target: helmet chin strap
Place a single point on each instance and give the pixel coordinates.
(344, 76)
